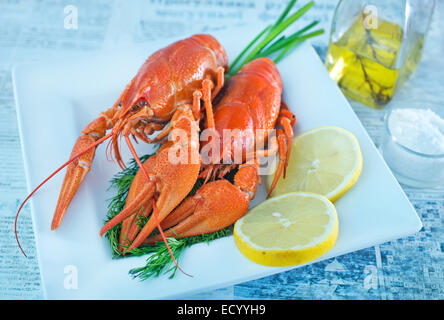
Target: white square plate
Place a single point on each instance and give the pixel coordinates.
(56, 99)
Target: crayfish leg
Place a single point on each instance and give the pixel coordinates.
(282, 148)
(287, 120)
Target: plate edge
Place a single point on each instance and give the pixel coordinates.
(14, 71)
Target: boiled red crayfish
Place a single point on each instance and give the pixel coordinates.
(166, 87)
(251, 102)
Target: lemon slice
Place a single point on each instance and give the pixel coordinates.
(324, 160)
(288, 230)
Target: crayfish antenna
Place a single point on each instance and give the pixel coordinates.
(74, 157)
(282, 145)
(164, 238)
(155, 215)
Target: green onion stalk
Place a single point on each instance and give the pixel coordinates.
(159, 261)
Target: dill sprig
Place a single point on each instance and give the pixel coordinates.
(159, 260)
(141, 220)
(122, 183)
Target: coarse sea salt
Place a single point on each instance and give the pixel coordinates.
(413, 147)
(420, 130)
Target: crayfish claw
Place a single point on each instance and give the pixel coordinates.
(74, 176)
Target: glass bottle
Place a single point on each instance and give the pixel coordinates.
(375, 46)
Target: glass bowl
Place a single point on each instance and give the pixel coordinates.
(412, 168)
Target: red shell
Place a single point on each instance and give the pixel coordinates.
(170, 76)
(251, 100)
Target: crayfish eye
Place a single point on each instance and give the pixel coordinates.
(138, 106)
(134, 108)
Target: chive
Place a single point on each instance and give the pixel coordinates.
(285, 12)
(249, 46)
(277, 29)
(281, 17)
(297, 41)
(280, 28)
(285, 41)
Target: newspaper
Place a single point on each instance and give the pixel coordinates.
(31, 29)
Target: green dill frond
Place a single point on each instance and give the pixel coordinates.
(159, 260)
(141, 220)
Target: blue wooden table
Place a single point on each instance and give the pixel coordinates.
(409, 268)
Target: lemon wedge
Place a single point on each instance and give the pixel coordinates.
(324, 160)
(288, 230)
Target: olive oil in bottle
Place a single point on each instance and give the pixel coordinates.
(368, 64)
